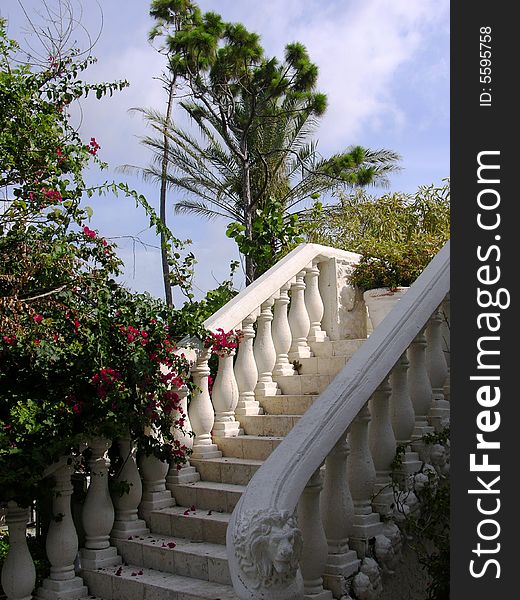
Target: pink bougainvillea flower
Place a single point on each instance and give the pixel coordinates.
(52, 194)
(89, 232)
(93, 147)
(37, 318)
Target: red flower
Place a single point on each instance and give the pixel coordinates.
(93, 147)
(89, 232)
(52, 194)
(37, 318)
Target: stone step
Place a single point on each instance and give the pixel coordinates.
(303, 384)
(314, 365)
(185, 557)
(336, 348)
(268, 425)
(295, 404)
(198, 525)
(248, 446)
(207, 495)
(227, 469)
(132, 582)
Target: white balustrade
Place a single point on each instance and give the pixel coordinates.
(62, 541)
(246, 373)
(264, 351)
(225, 399)
(299, 320)
(362, 479)
(437, 370)
(127, 494)
(420, 389)
(314, 304)
(201, 412)
(98, 511)
(382, 447)
(290, 475)
(186, 473)
(315, 549)
(18, 572)
(337, 513)
(282, 333)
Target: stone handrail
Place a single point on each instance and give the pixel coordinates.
(268, 284)
(272, 495)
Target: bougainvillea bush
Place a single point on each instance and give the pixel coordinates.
(80, 355)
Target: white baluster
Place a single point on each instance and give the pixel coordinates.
(437, 370)
(98, 511)
(446, 344)
(264, 351)
(420, 389)
(362, 481)
(246, 372)
(155, 495)
(337, 513)
(186, 473)
(18, 572)
(403, 416)
(382, 447)
(314, 304)
(299, 320)
(225, 399)
(62, 540)
(127, 494)
(314, 554)
(282, 333)
(201, 412)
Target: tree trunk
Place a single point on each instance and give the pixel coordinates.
(248, 212)
(168, 296)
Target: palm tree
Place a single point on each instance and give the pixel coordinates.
(284, 162)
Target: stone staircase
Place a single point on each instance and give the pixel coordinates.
(184, 555)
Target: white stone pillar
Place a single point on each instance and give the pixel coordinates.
(420, 389)
(437, 370)
(382, 447)
(264, 351)
(62, 541)
(299, 320)
(362, 481)
(403, 416)
(98, 511)
(126, 502)
(315, 550)
(186, 473)
(201, 412)
(446, 342)
(155, 495)
(225, 399)
(337, 513)
(18, 572)
(282, 333)
(314, 304)
(246, 372)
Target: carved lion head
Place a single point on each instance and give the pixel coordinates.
(268, 546)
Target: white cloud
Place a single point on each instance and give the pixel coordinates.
(359, 47)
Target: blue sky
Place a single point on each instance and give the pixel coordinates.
(384, 65)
